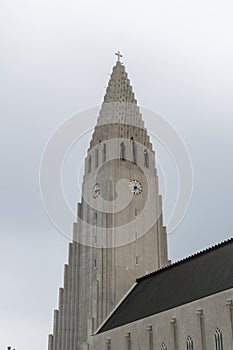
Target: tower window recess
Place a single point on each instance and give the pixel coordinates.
(189, 343)
(218, 339)
(136, 212)
(96, 158)
(122, 151)
(146, 158)
(104, 152)
(89, 164)
(163, 347)
(137, 260)
(134, 151)
(95, 264)
(136, 236)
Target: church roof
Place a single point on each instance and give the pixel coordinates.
(193, 278)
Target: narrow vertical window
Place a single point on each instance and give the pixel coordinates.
(89, 164)
(136, 212)
(146, 158)
(150, 334)
(136, 236)
(95, 264)
(189, 343)
(128, 341)
(122, 151)
(108, 344)
(134, 151)
(96, 158)
(137, 260)
(218, 340)
(104, 153)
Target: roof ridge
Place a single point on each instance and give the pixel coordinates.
(188, 258)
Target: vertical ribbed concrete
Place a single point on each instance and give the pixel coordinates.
(98, 276)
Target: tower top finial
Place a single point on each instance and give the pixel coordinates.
(119, 55)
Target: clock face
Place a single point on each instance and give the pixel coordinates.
(96, 191)
(135, 187)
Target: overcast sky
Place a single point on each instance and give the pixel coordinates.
(55, 60)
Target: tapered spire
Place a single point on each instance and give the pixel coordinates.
(120, 105)
(119, 88)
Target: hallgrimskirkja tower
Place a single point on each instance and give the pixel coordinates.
(120, 290)
(119, 235)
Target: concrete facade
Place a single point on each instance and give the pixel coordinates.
(173, 329)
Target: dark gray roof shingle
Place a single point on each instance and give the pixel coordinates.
(193, 278)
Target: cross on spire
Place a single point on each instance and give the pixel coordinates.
(119, 55)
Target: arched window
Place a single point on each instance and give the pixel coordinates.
(218, 340)
(122, 151)
(134, 151)
(163, 347)
(189, 343)
(146, 158)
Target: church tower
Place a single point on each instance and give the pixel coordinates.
(119, 234)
